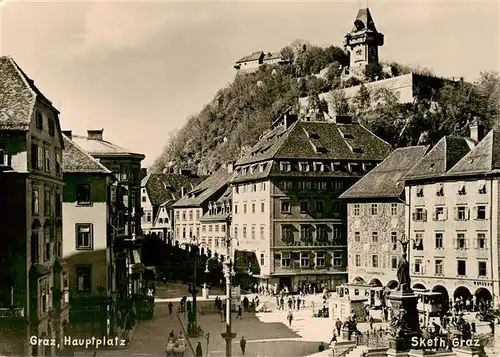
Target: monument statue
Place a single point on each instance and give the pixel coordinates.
(404, 271)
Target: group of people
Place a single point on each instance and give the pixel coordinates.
(470, 304)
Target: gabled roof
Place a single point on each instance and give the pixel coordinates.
(319, 140)
(365, 17)
(387, 179)
(221, 216)
(98, 147)
(256, 56)
(18, 95)
(441, 158)
(206, 189)
(271, 56)
(484, 158)
(164, 187)
(76, 160)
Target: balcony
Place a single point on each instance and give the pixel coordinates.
(12, 312)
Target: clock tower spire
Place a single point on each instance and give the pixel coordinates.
(362, 43)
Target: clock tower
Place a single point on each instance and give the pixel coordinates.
(362, 43)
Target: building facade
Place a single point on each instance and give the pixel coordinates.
(453, 218)
(87, 237)
(286, 205)
(252, 62)
(33, 290)
(376, 220)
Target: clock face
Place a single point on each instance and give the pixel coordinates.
(359, 52)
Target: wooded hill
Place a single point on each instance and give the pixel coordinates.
(238, 114)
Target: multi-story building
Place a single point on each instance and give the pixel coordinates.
(159, 191)
(126, 167)
(252, 62)
(376, 220)
(215, 224)
(286, 205)
(87, 237)
(453, 198)
(33, 301)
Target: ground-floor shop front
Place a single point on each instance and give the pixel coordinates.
(300, 282)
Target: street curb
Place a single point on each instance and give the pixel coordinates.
(188, 339)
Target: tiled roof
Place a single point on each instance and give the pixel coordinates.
(484, 158)
(387, 179)
(76, 160)
(441, 158)
(271, 56)
(101, 147)
(252, 57)
(206, 189)
(319, 140)
(18, 95)
(221, 216)
(162, 187)
(366, 17)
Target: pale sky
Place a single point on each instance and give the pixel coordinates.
(139, 69)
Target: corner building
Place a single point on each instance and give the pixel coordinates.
(286, 205)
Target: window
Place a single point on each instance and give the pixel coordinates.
(286, 185)
(244, 231)
(319, 206)
(285, 166)
(35, 251)
(374, 209)
(374, 237)
(356, 209)
(262, 205)
(148, 217)
(419, 241)
(417, 267)
(190, 215)
(304, 259)
(47, 250)
(203, 228)
(35, 201)
(304, 166)
(262, 230)
(253, 207)
(337, 232)
(253, 232)
(336, 207)
(440, 190)
(235, 208)
(46, 203)
(438, 265)
(254, 188)
(197, 215)
(374, 261)
(216, 227)
(461, 213)
(123, 173)
(236, 231)
(461, 241)
(83, 278)
(84, 236)
(481, 268)
(83, 194)
(285, 259)
(183, 215)
(357, 237)
(320, 259)
(481, 241)
(394, 240)
(461, 268)
(394, 263)
(58, 205)
(36, 157)
(461, 189)
(43, 297)
(394, 209)
(210, 228)
(143, 198)
(58, 163)
(420, 192)
(285, 206)
(482, 188)
(304, 206)
(420, 214)
(262, 186)
(244, 208)
(321, 233)
(338, 185)
(438, 240)
(357, 260)
(39, 120)
(481, 212)
(52, 127)
(262, 259)
(440, 214)
(318, 166)
(337, 259)
(177, 215)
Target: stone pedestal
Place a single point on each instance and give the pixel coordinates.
(339, 347)
(204, 293)
(346, 336)
(404, 307)
(464, 346)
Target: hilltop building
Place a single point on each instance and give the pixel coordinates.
(252, 62)
(376, 222)
(34, 280)
(286, 206)
(159, 191)
(126, 167)
(452, 193)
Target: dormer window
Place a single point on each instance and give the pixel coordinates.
(304, 166)
(285, 166)
(420, 192)
(319, 167)
(440, 190)
(367, 166)
(461, 189)
(262, 167)
(482, 188)
(252, 169)
(336, 167)
(244, 170)
(354, 167)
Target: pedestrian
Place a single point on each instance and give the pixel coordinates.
(298, 303)
(338, 326)
(170, 307)
(290, 318)
(240, 312)
(473, 327)
(199, 351)
(334, 338)
(492, 326)
(294, 302)
(243, 345)
(370, 322)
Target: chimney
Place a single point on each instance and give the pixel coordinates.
(289, 119)
(183, 191)
(230, 167)
(476, 129)
(68, 133)
(95, 134)
(344, 119)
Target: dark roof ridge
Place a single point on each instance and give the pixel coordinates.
(102, 168)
